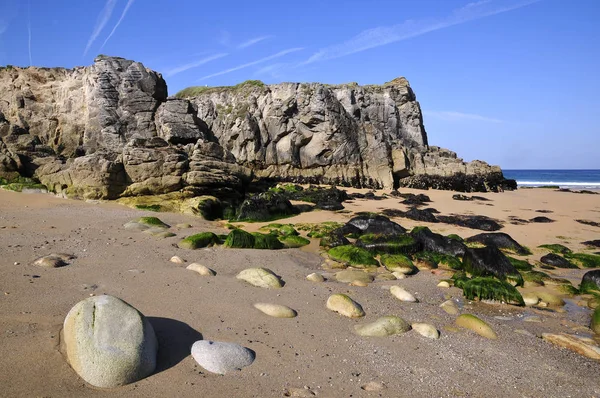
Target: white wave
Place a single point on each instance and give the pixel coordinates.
(562, 184)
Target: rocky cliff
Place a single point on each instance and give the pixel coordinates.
(109, 130)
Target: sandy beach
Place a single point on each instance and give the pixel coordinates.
(317, 352)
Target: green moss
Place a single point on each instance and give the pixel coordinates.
(488, 288)
(459, 279)
(584, 260)
(319, 230)
(292, 241)
(536, 277)
(521, 265)
(153, 222)
(568, 289)
(455, 237)
(266, 241)
(393, 262)
(280, 229)
(419, 229)
(440, 259)
(148, 207)
(20, 183)
(198, 241)
(588, 287)
(240, 239)
(595, 323)
(354, 256)
(556, 248)
(199, 90)
(230, 226)
(474, 245)
(399, 244)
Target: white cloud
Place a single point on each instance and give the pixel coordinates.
(254, 41)
(452, 116)
(129, 4)
(383, 35)
(194, 64)
(101, 22)
(260, 61)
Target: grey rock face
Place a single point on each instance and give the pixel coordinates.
(108, 342)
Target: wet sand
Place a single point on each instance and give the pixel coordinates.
(317, 350)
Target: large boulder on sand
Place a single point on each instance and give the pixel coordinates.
(108, 342)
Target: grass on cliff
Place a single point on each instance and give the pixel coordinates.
(195, 91)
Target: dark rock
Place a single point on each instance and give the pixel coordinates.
(544, 211)
(459, 196)
(590, 282)
(432, 210)
(331, 206)
(592, 243)
(433, 242)
(392, 213)
(490, 261)
(517, 221)
(334, 239)
(494, 182)
(265, 207)
(501, 241)
(375, 224)
(588, 222)
(415, 200)
(541, 220)
(420, 215)
(474, 222)
(390, 244)
(555, 260)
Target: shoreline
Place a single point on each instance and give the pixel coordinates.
(318, 349)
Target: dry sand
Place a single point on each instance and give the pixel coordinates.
(317, 350)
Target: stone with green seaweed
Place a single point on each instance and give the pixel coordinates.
(502, 241)
(353, 256)
(198, 241)
(521, 265)
(590, 283)
(391, 244)
(280, 229)
(398, 263)
(490, 261)
(584, 260)
(489, 288)
(152, 222)
(556, 248)
(439, 259)
(292, 241)
(430, 241)
(554, 260)
(240, 239)
(595, 324)
(319, 230)
(266, 241)
(534, 278)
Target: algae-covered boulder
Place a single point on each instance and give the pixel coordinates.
(595, 323)
(353, 256)
(555, 260)
(470, 321)
(584, 260)
(384, 326)
(198, 241)
(376, 224)
(556, 248)
(488, 288)
(261, 277)
(398, 263)
(334, 239)
(437, 243)
(345, 306)
(266, 206)
(391, 244)
(490, 261)
(500, 240)
(266, 241)
(438, 259)
(590, 282)
(276, 310)
(239, 239)
(108, 342)
(294, 241)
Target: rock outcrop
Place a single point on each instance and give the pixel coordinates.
(110, 130)
(107, 131)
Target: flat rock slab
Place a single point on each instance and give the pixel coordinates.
(221, 358)
(108, 342)
(54, 260)
(351, 275)
(384, 326)
(276, 310)
(261, 277)
(345, 306)
(581, 346)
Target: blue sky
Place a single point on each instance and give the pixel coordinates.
(511, 82)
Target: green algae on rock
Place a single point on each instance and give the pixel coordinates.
(470, 321)
(397, 263)
(294, 241)
(556, 248)
(489, 288)
(199, 241)
(353, 256)
(152, 222)
(240, 239)
(382, 327)
(266, 241)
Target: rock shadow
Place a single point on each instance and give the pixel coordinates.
(175, 339)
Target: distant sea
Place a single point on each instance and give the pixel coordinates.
(575, 179)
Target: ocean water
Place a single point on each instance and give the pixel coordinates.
(574, 179)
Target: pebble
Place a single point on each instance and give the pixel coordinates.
(221, 358)
(402, 294)
(351, 275)
(201, 269)
(450, 307)
(426, 330)
(276, 310)
(177, 260)
(399, 275)
(314, 277)
(384, 326)
(373, 386)
(54, 260)
(299, 392)
(470, 321)
(345, 306)
(260, 277)
(443, 284)
(530, 299)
